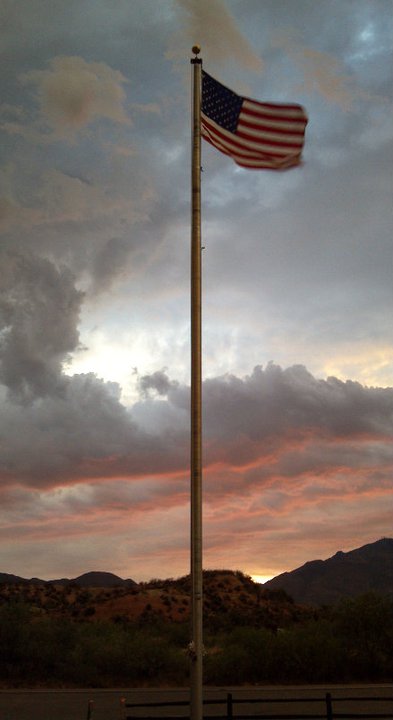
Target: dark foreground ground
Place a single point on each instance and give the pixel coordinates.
(73, 704)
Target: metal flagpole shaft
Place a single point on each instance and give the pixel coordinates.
(196, 647)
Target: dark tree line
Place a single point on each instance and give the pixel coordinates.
(350, 642)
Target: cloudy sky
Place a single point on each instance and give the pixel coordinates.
(94, 288)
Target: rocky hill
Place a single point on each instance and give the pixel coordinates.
(324, 582)
(226, 593)
(230, 598)
(94, 579)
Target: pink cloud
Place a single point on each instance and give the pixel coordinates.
(288, 457)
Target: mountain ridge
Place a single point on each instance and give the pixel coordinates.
(345, 574)
(317, 582)
(93, 578)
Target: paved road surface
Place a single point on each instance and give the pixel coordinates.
(73, 704)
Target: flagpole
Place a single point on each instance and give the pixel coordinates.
(196, 645)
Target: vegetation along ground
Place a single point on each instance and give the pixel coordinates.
(135, 635)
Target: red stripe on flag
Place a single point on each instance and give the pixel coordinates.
(241, 142)
(248, 157)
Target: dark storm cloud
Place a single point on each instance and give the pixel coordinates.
(39, 314)
(274, 402)
(84, 433)
(88, 433)
(158, 381)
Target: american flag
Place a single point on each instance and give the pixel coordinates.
(257, 135)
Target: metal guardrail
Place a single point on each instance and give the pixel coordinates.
(333, 715)
(228, 703)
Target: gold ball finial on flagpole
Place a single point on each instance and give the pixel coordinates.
(196, 49)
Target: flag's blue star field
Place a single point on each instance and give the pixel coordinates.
(220, 104)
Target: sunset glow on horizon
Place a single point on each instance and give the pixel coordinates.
(262, 578)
